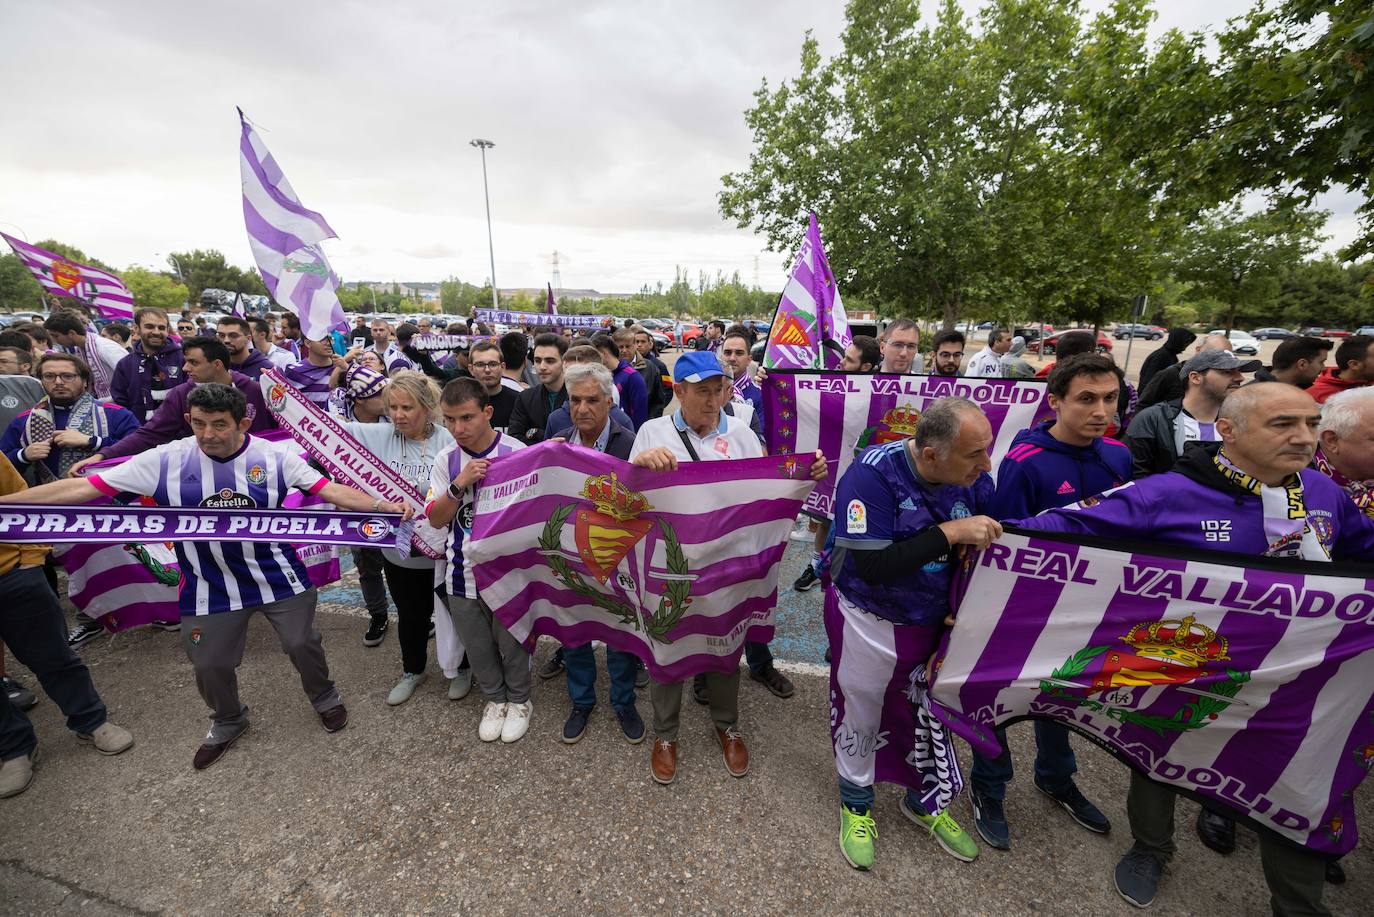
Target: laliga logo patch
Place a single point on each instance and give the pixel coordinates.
(257, 475)
(857, 517)
(374, 529)
(276, 397)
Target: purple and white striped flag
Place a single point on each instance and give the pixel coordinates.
(285, 238)
(551, 307)
(1245, 683)
(679, 568)
(842, 414)
(61, 276)
(810, 329)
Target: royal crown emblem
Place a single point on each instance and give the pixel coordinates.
(66, 274)
(614, 499)
(605, 533)
(901, 421)
(1180, 655)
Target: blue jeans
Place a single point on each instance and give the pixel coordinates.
(31, 625)
(580, 662)
(861, 797)
(758, 656)
(1054, 762)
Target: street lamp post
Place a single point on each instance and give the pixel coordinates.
(483, 146)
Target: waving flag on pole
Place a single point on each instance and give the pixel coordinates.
(285, 239)
(552, 307)
(59, 276)
(810, 329)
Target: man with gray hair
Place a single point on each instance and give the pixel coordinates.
(590, 387)
(901, 510)
(1345, 448)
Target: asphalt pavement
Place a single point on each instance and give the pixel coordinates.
(406, 812)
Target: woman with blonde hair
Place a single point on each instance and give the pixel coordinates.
(408, 441)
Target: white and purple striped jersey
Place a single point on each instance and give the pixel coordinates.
(311, 381)
(230, 575)
(446, 467)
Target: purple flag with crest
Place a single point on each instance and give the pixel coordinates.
(1247, 683)
(842, 414)
(679, 568)
(810, 330)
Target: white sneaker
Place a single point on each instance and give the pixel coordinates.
(404, 688)
(517, 721)
(460, 684)
(493, 722)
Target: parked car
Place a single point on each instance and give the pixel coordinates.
(17, 317)
(1104, 343)
(1149, 332)
(1031, 334)
(685, 333)
(1366, 331)
(1264, 334)
(1242, 342)
(1335, 333)
(661, 341)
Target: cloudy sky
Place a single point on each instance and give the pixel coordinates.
(613, 122)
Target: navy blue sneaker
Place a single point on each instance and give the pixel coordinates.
(1137, 877)
(576, 726)
(990, 821)
(631, 724)
(1078, 807)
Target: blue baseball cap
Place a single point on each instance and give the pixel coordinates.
(696, 366)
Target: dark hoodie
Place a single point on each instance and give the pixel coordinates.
(142, 380)
(253, 364)
(1040, 473)
(1166, 356)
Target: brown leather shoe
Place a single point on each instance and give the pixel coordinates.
(334, 719)
(210, 752)
(663, 761)
(736, 754)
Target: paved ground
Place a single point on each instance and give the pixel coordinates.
(406, 811)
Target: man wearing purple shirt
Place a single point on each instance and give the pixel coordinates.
(311, 375)
(1237, 497)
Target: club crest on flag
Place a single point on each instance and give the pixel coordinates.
(605, 534)
(66, 274)
(276, 396)
(1157, 654)
(792, 331)
(897, 423)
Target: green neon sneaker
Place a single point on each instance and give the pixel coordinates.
(946, 831)
(856, 837)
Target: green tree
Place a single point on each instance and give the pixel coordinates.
(1240, 258)
(202, 269)
(18, 290)
(155, 290)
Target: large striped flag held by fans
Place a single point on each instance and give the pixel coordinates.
(1242, 682)
(61, 276)
(810, 330)
(679, 568)
(285, 238)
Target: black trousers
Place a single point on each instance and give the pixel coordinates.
(413, 592)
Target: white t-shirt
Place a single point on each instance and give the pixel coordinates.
(411, 459)
(731, 439)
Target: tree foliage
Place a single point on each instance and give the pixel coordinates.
(155, 290)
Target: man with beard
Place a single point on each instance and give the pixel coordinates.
(1157, 436)
(534, 405)
(237, 336)
(151, 370)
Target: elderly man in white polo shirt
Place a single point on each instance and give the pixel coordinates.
(698, 431)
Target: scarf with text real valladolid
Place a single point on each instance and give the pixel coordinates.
(1285, 513)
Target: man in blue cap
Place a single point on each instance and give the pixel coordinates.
(699, 430)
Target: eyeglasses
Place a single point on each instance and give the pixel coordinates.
(486, 365)
(901, 345)
(950, 354)
(60, 377)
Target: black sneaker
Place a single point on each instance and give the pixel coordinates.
(642, 677)
(827, 654)
(699, 692)
(1137, 877)
(806, 580)
(990, 821)
(1335, 872)
(1216, 831)
(376, 631)
(1078, 807)
(631, 725)
(576, 726)
(25, 700)
(553, 666)
(84, 633)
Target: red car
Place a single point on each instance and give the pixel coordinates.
(1104, 343)
(1335, 333)
(685, 333)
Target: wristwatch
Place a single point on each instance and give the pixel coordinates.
(455, 492)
